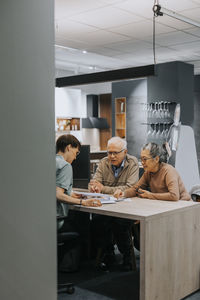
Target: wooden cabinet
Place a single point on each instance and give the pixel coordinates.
(67, 124)
(120, 117)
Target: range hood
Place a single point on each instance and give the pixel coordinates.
(92, 120)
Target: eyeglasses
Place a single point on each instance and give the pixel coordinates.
(77, 153)
(114, 152)
(144, 159)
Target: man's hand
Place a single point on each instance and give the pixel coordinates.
(95, 186)
(118, 194)
(78, 196)
(91, 202)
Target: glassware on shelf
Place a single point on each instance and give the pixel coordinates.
(161, 110)
(166, 109)
(150, 131)
(158, 132)
(150, 112)
(162, 133)
(160, 117)
(155, 110)
(153, 135)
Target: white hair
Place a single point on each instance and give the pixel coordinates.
(118, 140)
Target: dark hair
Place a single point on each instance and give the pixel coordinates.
(157, 150)
(67, 139)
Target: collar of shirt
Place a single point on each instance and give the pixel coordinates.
(116, 170)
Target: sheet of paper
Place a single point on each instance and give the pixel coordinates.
(93, 195)
(116, 200)
(127, 199)
(107, 201)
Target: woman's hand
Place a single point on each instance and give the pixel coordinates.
(143, 194)
(118, 194)
(91, 202)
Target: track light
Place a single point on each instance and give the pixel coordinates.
(160, 11)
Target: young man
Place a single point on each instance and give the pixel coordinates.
(117, 170)
(67, 149)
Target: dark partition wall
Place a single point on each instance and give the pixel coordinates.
(81, 168)
(174, 82)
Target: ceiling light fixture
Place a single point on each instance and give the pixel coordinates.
(66, 48)
(112, 75)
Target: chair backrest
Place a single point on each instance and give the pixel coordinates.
(195, 193)
(62, 211)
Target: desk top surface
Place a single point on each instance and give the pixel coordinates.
(137, 208)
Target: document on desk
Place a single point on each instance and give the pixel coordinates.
(104, 198)
(92, 195)
(112, 199)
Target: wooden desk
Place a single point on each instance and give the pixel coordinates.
(169, 243)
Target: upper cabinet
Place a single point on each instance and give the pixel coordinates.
(120, 117)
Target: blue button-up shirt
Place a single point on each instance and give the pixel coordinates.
(117, 170)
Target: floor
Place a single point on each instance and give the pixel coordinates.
(93, 284)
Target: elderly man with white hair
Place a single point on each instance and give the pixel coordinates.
(118, 170)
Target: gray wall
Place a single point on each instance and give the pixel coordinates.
(135, 92)
(174, 81)
(27, 159)
(197, 115)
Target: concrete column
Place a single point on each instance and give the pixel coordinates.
(27, 151)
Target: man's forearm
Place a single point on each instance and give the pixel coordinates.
(66, 198)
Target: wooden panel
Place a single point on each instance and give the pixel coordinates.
(105, 112)
(170, 260)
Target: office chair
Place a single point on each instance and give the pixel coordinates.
(65, 242)
(195, 193)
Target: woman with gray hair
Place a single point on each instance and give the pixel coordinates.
(160, 180)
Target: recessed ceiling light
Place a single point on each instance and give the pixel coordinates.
(84, 51)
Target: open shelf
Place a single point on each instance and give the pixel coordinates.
(120, 117)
